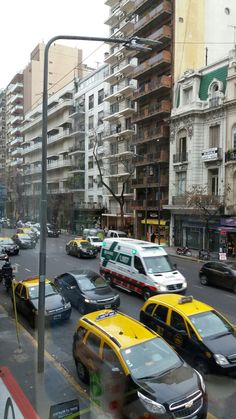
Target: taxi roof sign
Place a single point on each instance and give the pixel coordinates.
(105, 315)
(188, 299)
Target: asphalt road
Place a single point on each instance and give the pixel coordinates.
(58, 339)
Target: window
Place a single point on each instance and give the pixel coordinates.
(91, 101)
(90, 182)
(177, 321)
(91, 122)
(110, 357)
(99, 139)
(187, 96)
(93, 343)
(149, 308)
(138, 265)
(100, 96)
(90, 162)
(90, 145)
(181, 149)
(234, 137)
(213, 182)
(161, 313)
(100, 117)
(181, 183)
(23, 293)
(214, 136)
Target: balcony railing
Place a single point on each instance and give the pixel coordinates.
(160, 60)
(161, 84)
(180, 157)
(150, 134)
(163, 107)
(230, 155)
(157, 14)
(150, 205)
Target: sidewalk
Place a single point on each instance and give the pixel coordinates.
(171, 250)
(43, 391)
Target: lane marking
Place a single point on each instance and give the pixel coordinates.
(28, 270)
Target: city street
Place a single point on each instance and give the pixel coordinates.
(58, 339)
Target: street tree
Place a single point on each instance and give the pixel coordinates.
(206, 205)
(125, 164)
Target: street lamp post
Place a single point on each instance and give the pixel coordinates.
(132, 43)
(159, 202)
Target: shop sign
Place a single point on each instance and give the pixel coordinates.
(229, 222)
(210, 154)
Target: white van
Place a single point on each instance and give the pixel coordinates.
(140, 266)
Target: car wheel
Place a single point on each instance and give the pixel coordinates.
(146, 294)
(82, 372)
(202, 367)
(203, 280)
(68, 252)
(82, 307)
(234, 289)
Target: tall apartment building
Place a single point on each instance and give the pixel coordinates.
(74, 191)
(2, 151)
(64, 65)
(187, 35)
(119, 126)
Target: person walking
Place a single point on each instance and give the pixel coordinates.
(153, 237)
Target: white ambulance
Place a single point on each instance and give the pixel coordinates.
(139, 266)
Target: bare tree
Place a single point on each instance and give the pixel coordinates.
(206, 205)
(127, 162)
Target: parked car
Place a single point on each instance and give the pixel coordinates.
(137, 370)
(29, 231)
(220, 274)
(202, 335)
(116, 233)
(87, 290)
(52, 230)
(80, 248)
(24, 241)
(95, 241)
(27, 300)
(9, 246)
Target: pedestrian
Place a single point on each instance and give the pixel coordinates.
(153, 237)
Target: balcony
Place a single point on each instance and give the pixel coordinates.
(149, 205)
(157, 62)
(160, 109)
(123, 70)
(89, 205)
(179, 200)
(127, 6)
(76, 149)
(161, 86)
(142, 5)
(16, 88)
(150, 182)
(17, 152)
(17, 120)
(32, 148)
(180, 157)
(62, 135)
(154, 17)
(17, 141)
(124, 89)
(230, 155)
(211, 154)
(125, 108)
(17, 162)
(17, 110)
(17, 98)
(58, 164)
(121, 132)
(152, 158)
(114, 18)
(122, 52)
(151, 134)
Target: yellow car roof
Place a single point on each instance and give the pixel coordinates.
(187, 308)
(124, 329)
(33, 281)
(5, 238)
(80, 241)
(22, 234)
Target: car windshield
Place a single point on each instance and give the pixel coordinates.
(6, 241)
(87, 284)
(150, 358)
(158, 264)
(95, 239)
(210, 324)
(24, 237)
(84, 245)
(50, 289)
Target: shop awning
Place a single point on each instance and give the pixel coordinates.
(155, 222)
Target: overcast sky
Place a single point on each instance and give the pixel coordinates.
(25, 23)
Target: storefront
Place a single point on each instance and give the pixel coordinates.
(153, 226)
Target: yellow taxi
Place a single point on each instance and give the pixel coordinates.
(203, 336)
(132, 371)
(26, 295)
(81, 248)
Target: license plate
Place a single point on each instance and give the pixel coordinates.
(56, 316)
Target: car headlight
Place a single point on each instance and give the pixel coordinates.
(151, 406)
(161, 288)
(67, 305)
(220, 359)
(90, 301)
(201, 381)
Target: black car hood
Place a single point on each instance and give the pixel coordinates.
(224, 345)
(171, 386)
(51, 302)
(99, 293)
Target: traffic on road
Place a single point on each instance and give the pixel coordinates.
(81, 290)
